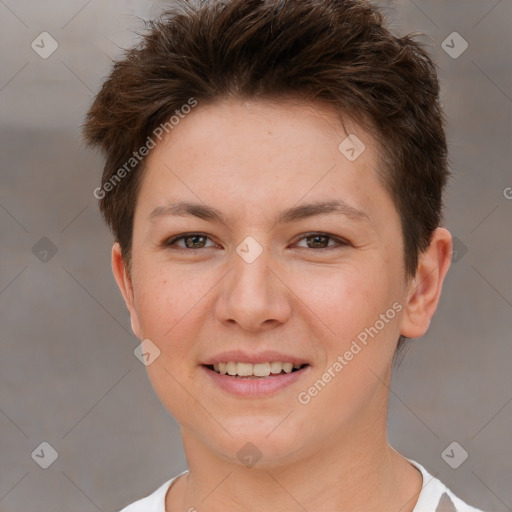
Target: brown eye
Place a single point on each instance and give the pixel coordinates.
(318, 241)
(321, 241)
(195, 242)
(190, 240)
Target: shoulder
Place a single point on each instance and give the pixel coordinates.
(436, 497)
(155, 502)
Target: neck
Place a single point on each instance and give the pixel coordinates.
(354, 471)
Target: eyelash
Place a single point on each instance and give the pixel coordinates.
(340, 241)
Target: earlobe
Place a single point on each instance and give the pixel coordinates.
(125, 284)
(425, 289)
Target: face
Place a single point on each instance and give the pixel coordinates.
(289, 252)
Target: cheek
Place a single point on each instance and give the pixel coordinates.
(350, 302)
(345, 299)
(166, 301)
(168, 307)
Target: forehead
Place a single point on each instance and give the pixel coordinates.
(287, 128)
(262, 154)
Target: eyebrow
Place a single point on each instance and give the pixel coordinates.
(293, 214)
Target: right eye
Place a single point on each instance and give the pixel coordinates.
(192, 241)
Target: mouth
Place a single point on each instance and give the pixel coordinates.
(266, 370)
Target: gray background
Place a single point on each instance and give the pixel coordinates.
(68, 375)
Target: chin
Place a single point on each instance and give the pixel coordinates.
(256, 442)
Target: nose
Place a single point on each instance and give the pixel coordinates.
(253, 296)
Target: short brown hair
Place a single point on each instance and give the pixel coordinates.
(333, 51)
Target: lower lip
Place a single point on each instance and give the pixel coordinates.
(251, 388)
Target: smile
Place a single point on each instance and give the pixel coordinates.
(255, 370)
(248, 380)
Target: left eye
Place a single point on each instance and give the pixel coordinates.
(321, 241)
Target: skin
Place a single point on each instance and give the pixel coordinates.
(251, 160)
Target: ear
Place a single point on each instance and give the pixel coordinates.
(425, 289)
(124, 281)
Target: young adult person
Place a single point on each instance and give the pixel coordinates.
(274, 177)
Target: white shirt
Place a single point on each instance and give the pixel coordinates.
(434, 497)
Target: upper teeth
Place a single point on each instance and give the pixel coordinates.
(258, 369)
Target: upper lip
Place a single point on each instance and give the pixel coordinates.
(240, 356)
